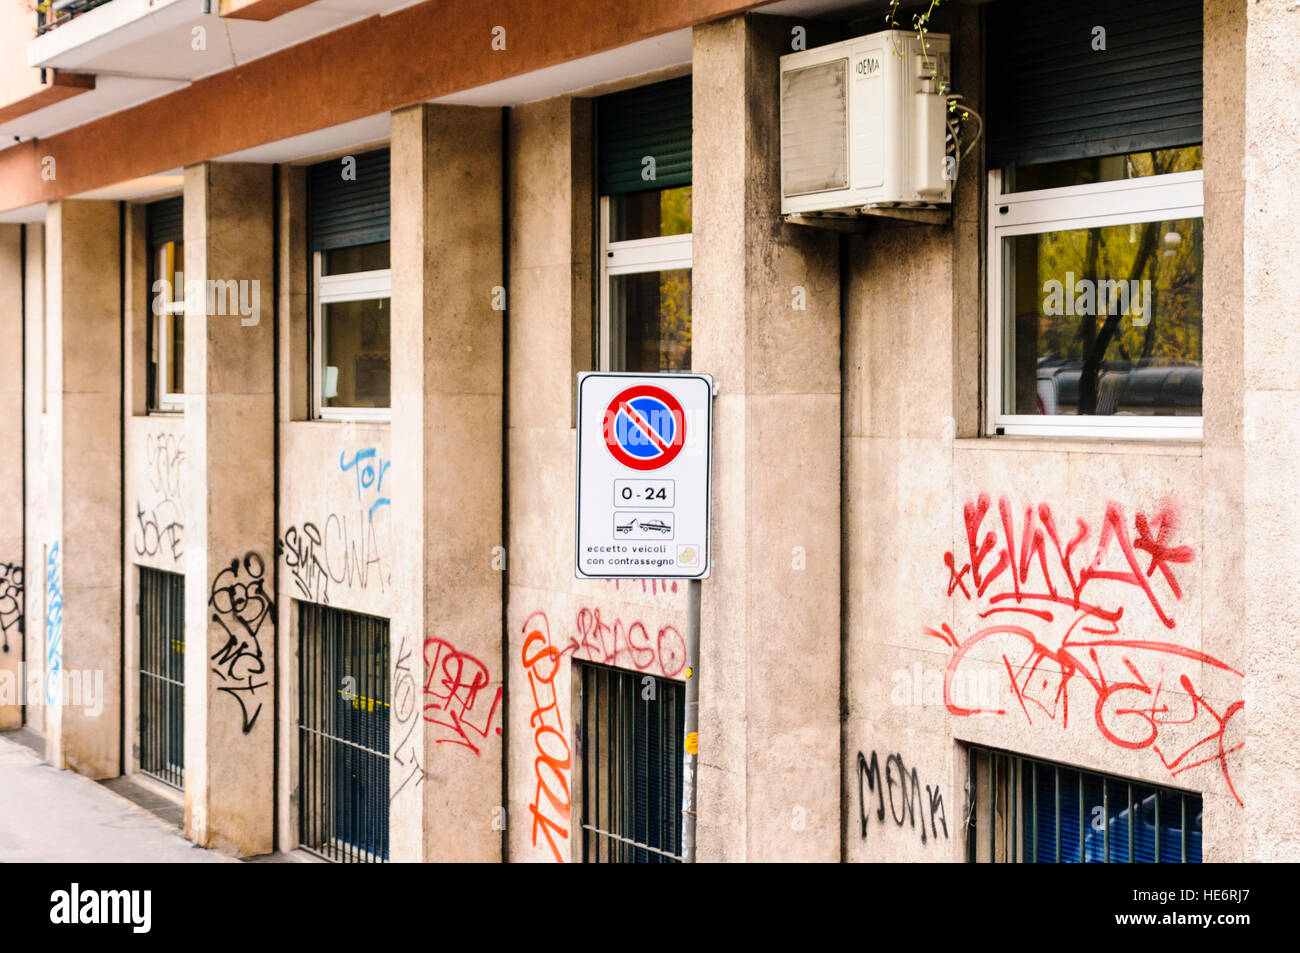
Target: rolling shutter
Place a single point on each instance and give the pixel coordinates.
(1052, 97)
(348, 211)
(650, 121)
(165, 221)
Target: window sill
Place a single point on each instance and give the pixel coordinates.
(1054, 443)
(384, 422)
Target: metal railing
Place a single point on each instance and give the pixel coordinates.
(630, 746)
(52, 13)
(162, 676)
(1026, 811)
(343, 711)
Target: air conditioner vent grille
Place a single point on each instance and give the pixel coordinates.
(814, 128)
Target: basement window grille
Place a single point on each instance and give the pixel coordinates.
(1026, 811)
(630, 748)
(343, 709)
(162, 676)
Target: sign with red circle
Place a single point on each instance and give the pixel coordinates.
(644, 427)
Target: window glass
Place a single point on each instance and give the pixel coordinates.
(653, 311)
(168, 315)
(354, 258)
(1104, 320)
(1136, 165)
(355, 348)
(654, 214)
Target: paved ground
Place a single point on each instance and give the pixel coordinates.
(48, 815)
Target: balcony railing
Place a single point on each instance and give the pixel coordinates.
(53, 13)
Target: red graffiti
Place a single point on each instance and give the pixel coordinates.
(627, 644)
(651, 586)
(551, 798)
(454, 690)
(1070, 632)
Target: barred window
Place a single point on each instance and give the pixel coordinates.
(1027, 811)
(630, 748)
(343, 707)
(162, 676)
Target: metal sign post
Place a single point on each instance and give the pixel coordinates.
(691, 749)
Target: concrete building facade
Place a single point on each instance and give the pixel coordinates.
(291, 540)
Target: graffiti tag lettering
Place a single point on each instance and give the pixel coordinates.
(1067, 631)
(406, 753)
(904, 789)
(11, 602)
(240, 606)
(161, 527)
(551, 798)
(452, 693)
(369, 469)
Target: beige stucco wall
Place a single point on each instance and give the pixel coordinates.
(554, 618)
(916, 477)
(17, 27)
(766, 320)
(447, 471)
(80, 509)
(34, 462)
(11, 476)
(1271, 385)
(887, 478)
(335, 538)
(227, 481)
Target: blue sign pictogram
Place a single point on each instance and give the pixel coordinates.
(645, 427)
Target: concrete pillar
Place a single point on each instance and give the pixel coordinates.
(1271, 432)
(1221, 448)
(34, 507)
(228, 479)
(447, 399)
(11, 476)
(81, 549)
(770, 626)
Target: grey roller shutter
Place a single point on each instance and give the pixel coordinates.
(1052, 97)
(348, 211)
(652, 121)
(165, 221)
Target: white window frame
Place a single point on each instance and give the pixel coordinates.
(1177, 195)
(336, 289)
(635, 257)
(167, 400)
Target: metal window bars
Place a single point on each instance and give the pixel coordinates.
(343, 714)
(52, 13)
(162, 676)
(1022, 810)
(630, 747)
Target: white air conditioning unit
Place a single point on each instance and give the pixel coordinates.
(864, 125)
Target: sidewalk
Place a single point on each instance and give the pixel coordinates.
(48, 815)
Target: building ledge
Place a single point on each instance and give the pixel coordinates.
(64, 86)
(259, 9)
(105, 28)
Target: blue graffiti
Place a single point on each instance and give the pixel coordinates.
(53, 623)
(369, 479)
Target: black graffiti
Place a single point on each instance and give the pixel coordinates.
(405, 702)
(163, 523)
(153, 532)
(908, 787)
(11, 601)
(337, 555)
(240, 606)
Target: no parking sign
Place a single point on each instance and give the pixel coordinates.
(644, 443)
